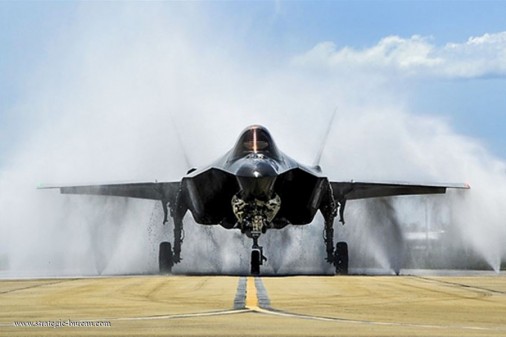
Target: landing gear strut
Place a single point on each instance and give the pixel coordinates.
(339, 256)
(167, 256)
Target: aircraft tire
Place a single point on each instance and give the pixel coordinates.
(256, 258)
(341, 258)
(165, 258)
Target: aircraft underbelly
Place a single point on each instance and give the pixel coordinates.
(209, 197)
(301, 194)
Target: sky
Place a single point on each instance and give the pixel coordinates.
(276, 32)
(94, 92)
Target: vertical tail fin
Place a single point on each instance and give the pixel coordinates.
(324, 139)
(180, 141)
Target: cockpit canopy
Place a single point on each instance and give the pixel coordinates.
(255, 139)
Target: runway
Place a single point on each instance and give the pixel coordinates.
(457, 305)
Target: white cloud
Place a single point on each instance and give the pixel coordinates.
(416, 56)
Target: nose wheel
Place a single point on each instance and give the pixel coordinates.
(257, 257)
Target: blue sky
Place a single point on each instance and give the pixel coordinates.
(277, 32)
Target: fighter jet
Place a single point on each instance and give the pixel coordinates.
(254, 188)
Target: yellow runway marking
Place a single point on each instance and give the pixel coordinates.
(251, 294)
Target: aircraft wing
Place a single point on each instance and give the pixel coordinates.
(352, 190)
(143, 190)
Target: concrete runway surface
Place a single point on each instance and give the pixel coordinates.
(472, 305)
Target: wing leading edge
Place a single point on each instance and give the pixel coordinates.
(166, 192)
(353, 190)
(145, 190)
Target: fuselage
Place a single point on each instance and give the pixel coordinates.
(254, 180)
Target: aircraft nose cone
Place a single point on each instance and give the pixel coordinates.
(256, 178)
(257, 169)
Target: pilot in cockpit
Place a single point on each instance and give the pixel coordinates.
(255, 140)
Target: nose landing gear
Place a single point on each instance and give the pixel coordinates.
(254, 217)
(257, 256)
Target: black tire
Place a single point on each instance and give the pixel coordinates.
(165, 258)
(256, 258)
(341, 258)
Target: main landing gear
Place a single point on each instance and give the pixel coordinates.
(341, 258)
(165, 258)
(338, 256)
(168, 256)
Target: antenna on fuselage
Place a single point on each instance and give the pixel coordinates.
(318, 157)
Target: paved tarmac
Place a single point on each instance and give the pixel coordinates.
(473, 305)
